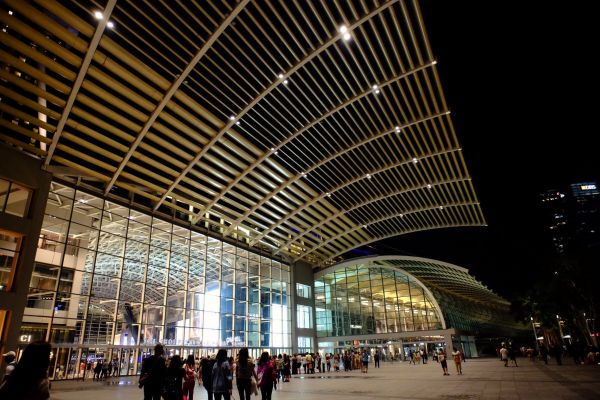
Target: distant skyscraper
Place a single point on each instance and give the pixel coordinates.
(572, 218)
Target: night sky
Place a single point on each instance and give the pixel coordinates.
(523, 85)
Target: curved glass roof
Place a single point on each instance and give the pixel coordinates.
(466, 304)
(305, 128)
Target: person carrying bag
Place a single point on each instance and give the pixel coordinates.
(245, 375)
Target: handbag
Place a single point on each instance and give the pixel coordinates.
(253, 386)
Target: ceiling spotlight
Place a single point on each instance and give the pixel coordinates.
(414, 160)
(280, 76)
(434, 62)
(397, 129)
(346, 36)
(368, 176)
(10, 12)
(286, 82)
(110, 24)
(377, 91)
(328, 194)
(375, 87)
(237, 122)
(232, 117)
(364, 226)
(343, 29)
(441, 207)
(428, 186)
(272, 148)
(98, 15)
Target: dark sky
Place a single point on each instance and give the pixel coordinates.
(523, 85)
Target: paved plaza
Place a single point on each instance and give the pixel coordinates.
(482, 379)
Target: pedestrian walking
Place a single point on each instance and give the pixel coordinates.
(221, 376)
(442, 360)
(152, 376)
(29, 378)
(457, 361)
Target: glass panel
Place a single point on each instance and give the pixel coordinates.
(18, 200)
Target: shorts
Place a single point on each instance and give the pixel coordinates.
(444, 364)
(365, 363)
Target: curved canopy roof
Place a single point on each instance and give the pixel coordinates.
(308, 128)
(433, 274)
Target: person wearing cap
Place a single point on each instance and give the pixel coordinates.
(10, 359)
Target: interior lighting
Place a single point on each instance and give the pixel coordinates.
(368, 176)
(110, 24)
(10, 12)
(364, 226)
(232, 117)
(429, 186)
(441, 207)
(237, 122)
(347, 36)
(414, 160)
(375, 87)
(343, 29)
(377, 91)
(98, 15)
(397, 129)
(286, 82)
(280, 76)
(328, 194)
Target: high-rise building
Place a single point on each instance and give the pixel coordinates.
(572, 217)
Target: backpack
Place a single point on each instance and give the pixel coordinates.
(171, 386)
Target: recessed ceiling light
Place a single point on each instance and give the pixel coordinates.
(98, 15)
(280, 76)
(286, 82)
(377, 91)
(414, 160)
(343, 29)
(237, 122)
(375, 87)
(397, 129)
(441, 207)
(110, 24)
(10, 12)
(232, 117)
(364, 226)
(368, 176)
(328, 194)
(346, 36)
(429, 186)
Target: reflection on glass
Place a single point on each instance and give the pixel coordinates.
(360, 300)
(107, 275)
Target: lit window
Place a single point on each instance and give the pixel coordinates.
(304, 316)
(303, 291)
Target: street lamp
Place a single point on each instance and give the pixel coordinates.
(537, 346)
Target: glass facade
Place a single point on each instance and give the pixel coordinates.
(362, 300)
(108, 277)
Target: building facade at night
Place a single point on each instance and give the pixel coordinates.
(572, 217)
(196, 175)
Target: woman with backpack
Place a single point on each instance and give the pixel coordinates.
(173, 388)
(189, 382)
(266, 373)
(244, 371)
(221, 376)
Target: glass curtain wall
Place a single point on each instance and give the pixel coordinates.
(362, 300)
(108, 277)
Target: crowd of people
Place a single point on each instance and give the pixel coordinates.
(173, 378)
